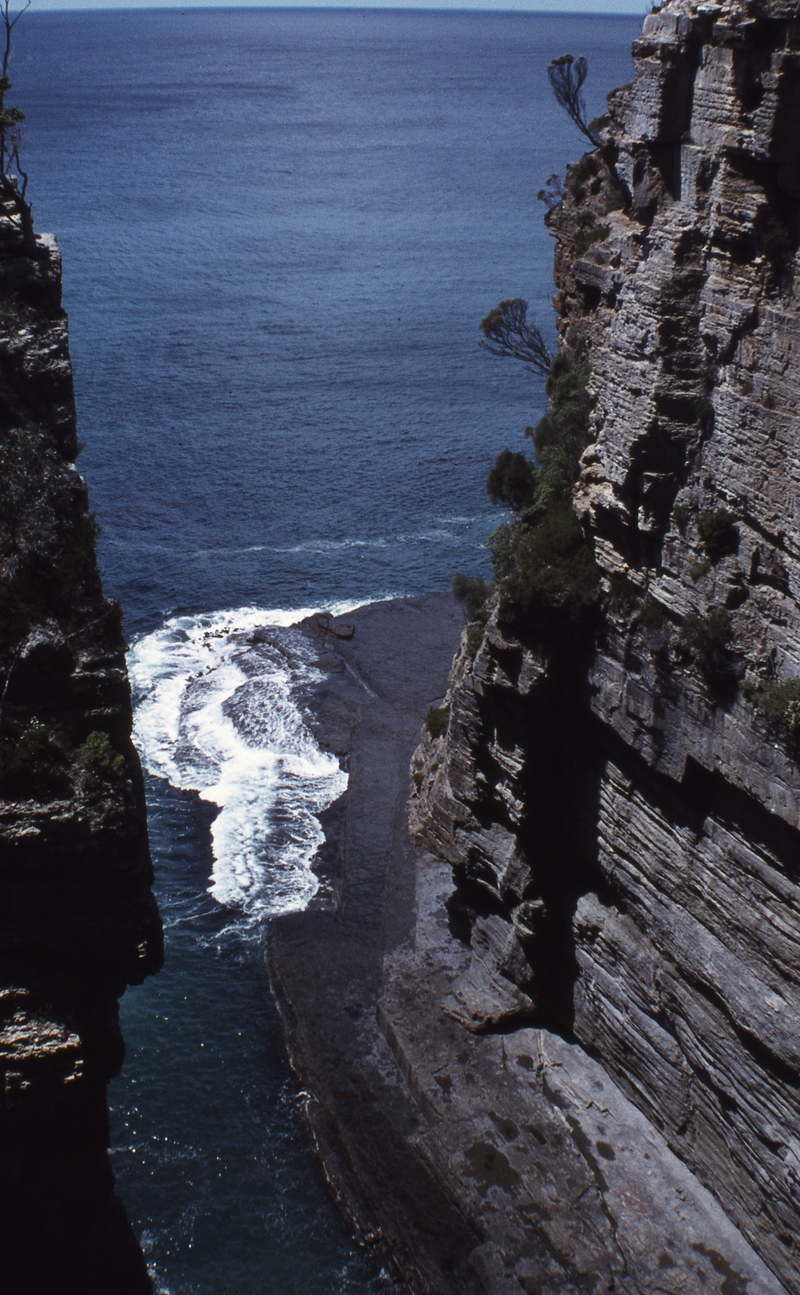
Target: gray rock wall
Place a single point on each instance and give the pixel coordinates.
(621, 819)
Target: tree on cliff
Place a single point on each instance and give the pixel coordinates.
(13, 180)
(567, 75)
(507, 331)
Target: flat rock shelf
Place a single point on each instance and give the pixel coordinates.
(493, 1162)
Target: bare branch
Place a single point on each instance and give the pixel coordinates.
(567, 75)
(506, 332)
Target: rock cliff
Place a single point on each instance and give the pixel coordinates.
(78, 921)
(617, 788)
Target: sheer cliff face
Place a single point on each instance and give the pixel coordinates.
(618, 801)
(78, 921)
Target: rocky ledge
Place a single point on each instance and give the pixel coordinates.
(78, 921)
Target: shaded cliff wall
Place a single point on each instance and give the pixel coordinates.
(618, 801)
(78, 921)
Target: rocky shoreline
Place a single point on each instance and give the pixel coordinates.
(498, 1161)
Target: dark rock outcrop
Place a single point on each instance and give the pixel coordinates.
(618, 794)
(78, 921)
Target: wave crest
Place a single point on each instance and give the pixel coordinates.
(216, 712)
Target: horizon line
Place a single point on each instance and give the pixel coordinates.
(597, 8)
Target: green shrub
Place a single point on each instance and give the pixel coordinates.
(436, 721)
(780, 702)
(553, 563)
(98, 755)
(561, 436)
(472, 591)
(652, 615)
(416, 778)
(540, 555)
(502, 546)
(512, 481)
(708, 639)
(586, 237)
(719, 533)
(28, 763)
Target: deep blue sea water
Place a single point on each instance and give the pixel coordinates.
(280, 230)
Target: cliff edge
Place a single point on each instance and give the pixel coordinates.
(617, 787)
(78, 921)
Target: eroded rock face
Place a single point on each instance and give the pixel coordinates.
(621, 810)
(78, 921)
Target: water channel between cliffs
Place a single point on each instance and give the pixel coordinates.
(267, 425)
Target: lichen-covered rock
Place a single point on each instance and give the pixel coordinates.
(621, 805)
(78, 921)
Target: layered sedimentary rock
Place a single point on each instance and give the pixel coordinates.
(78, 922)
(618, 789)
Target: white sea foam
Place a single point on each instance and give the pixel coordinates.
(216, 713)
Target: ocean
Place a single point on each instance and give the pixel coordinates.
(280, 231)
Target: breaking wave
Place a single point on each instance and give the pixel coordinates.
(216, 712)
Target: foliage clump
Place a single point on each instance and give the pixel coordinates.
(540, 555)
(588, 236)
(512, 481)
(553, 564)
(30, 764)
(779, 701)
(708, 639)
(719, 533)
(472, 591)
(436, 721)
(652, 615)
(98, 755)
